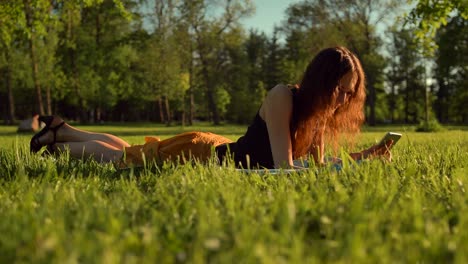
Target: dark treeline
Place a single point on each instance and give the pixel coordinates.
(176, 61)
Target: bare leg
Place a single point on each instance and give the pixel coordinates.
(67, 133)
(100, 151)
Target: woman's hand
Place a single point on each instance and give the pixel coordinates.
(333, 160)
(378, 150)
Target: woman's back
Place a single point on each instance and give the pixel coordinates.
(271, 124)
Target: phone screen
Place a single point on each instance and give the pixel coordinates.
(390, 136)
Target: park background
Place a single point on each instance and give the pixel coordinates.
(176, 62)
(102, 64)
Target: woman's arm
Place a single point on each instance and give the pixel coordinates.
(276, 111)
(377, 150)
(318, 151)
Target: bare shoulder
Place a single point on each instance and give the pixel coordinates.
(280, 94)
(280, 91)
(278, 98)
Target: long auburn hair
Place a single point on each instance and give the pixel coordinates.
(313, 106)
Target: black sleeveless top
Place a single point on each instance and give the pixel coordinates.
(252, 150)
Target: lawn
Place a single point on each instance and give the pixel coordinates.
(61, 210)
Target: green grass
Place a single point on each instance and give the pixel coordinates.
(61, 210)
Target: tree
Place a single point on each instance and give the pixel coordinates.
(243, 78)
(430, 15)
(407, 76)
(88, 60)
(209, 34)
(165, 68)
(35, 12)
(350, 23)
(395, 76)
(111, 56)
(274, 64)
(451, 71)
(10, 14)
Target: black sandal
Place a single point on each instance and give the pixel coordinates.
(35, 145)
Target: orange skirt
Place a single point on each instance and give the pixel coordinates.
(198, 146)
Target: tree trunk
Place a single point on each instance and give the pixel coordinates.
(32, 52)
(161, 110)
(183, 118)
(426, 107)
(39, 103)
(392, 103)
(96, 66)
(183, 114)
(11, 100)
(48, 101)
(48, 92)
(210, 96)
(98, 115)
(83, 114)
(414, 108)
(75, 75)
(372, 97)
(210, 92)
(371, 87)
(192, 107)
(190, 91)
(76, 85)
(168, 111)
(407, 99)
(213, 109)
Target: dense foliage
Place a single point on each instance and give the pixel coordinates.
(181, 60)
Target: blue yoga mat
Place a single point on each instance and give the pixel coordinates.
(300, 163)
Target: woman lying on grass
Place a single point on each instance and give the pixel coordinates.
(292, 122)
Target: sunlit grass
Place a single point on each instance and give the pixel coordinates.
(414, 209)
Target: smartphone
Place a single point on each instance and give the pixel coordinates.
(390, 136)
